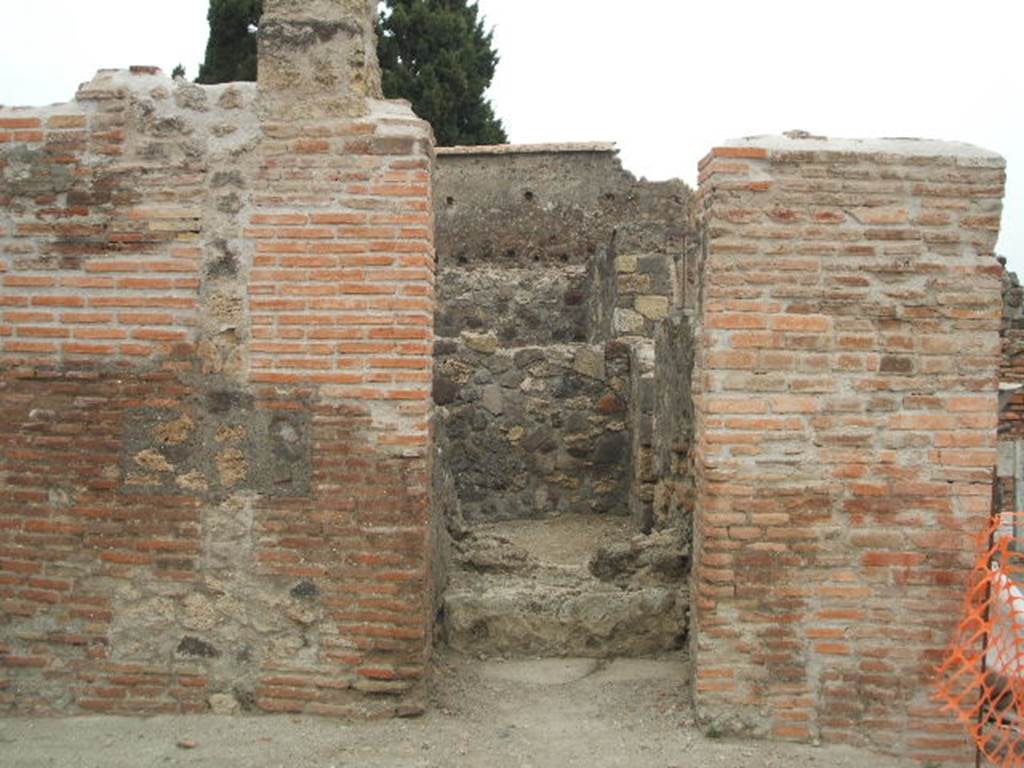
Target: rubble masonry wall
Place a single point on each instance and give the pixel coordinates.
(553, 264)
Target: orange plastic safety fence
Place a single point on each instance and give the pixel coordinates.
(982, 678)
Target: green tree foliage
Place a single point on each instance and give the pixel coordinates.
(435, 53)
(231, 48)
(178, 71)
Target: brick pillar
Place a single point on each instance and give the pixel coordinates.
(342, 296)
(846, 380)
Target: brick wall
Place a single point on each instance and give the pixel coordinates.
(99, 254)
(848, 351)
(215, 366)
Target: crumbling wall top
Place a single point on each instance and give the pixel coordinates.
(318, 58)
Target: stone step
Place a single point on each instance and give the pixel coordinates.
(552, 613)
(577, 585)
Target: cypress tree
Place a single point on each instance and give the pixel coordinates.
(435, 53)
(231, 48)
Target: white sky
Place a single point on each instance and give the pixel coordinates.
(666, 79)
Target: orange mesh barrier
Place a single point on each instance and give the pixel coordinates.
(982, 679)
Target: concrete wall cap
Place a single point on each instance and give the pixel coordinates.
(802, 142)
(530, 149)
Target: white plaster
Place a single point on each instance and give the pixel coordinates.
(885, 146)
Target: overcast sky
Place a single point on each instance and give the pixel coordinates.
(666, 79)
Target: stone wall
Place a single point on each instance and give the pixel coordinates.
(846, 429)
(535, 431)
(672, 435)
(215, 362)
(661, 423)
(1011, 397)
(546, 254)
(517, 231)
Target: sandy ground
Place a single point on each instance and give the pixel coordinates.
(485, 714)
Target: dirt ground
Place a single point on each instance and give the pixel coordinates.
(485, 714)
